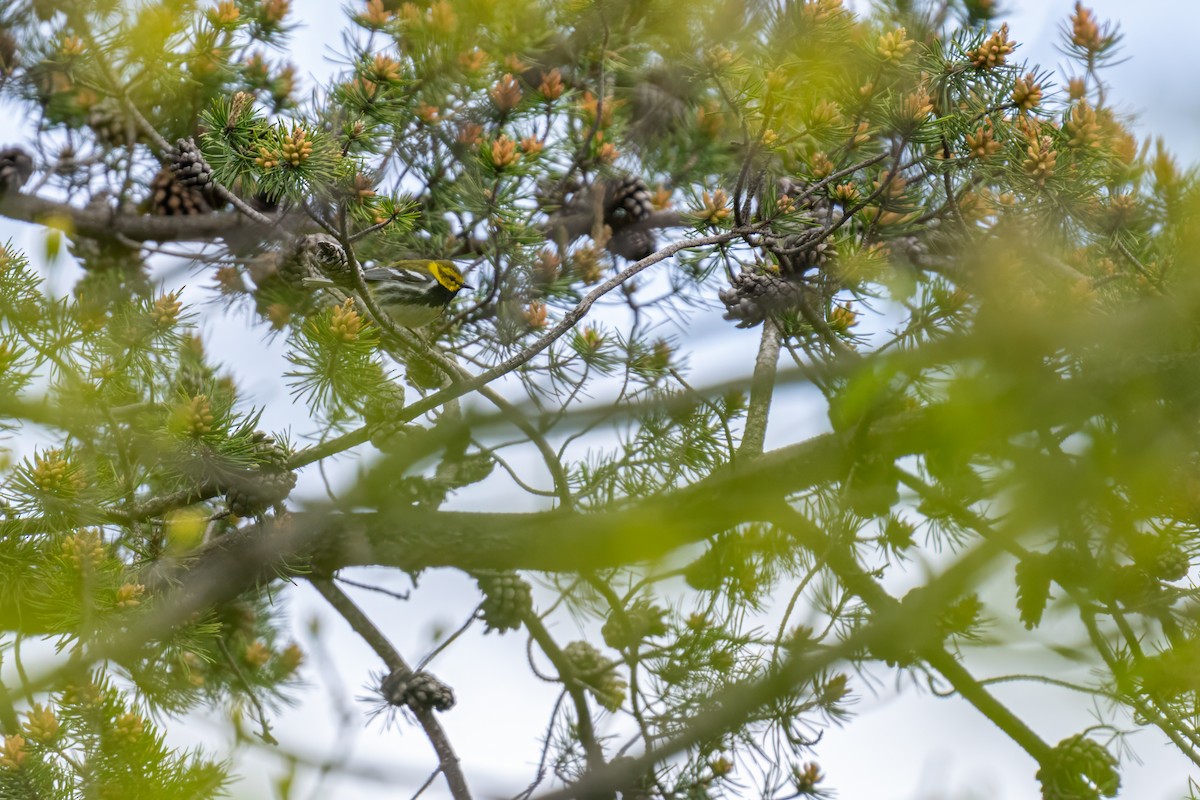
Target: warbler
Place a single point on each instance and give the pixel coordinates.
(412, 292)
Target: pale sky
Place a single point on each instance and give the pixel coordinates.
(901, 745)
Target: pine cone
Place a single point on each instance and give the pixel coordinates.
(755, 296)
(259, 491)
(111, 126)
(418, 691)
(1079, 769)
(387, 406)
(254, 491)
(191, 170)
(626, 202)
(641, 620)
(15, 168)
(1033, 588)
(596, 673)
(169, 197)
(1171, 564)
(797, 257)
(507, 598)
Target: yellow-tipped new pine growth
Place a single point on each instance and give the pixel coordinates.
(506, 93)
(592, 340)
(607, 153)
(376, 16)
(834, 690)
(552, 86)
(470, 133)
(1039, 164)
(428, 114)
(71, 47)
(585, 262)
(546, 265)
(982, 143)
(917, 106)
(385, 68)
(297, 147)
(1027, 93)
(845, 193)
(85, 549)
(129, 727)
(257, 654)
(719, 57)
(822, 10)
(473, 60)
(894, 46)
(225, 14)
(822, 167)
(862, 134)
(442, 18)
(535, 315)
(1083, 126)
(806, 778)
(266, 159)
(229, 280)
(53, 474)
(1122, 208)
(785, 204)
(504, 152)
(1076, 88)
(40, 723)
(345, 323)
(589, 106)
(994, 51)
(531, 145)
(720, 767)
(290, 659)
(1085, 32)
(714, 208)
(166, 310)
(826, 114)
(195, 417)
(842, 319)
(129, 595)
(13, 755)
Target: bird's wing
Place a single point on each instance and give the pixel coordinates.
(377, 274)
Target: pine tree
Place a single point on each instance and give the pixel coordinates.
(976, 268)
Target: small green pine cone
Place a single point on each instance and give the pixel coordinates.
(1033, 588)
(642, 620)
(597, 673)
(1079, 769)
(1132, 585)
(386, 406)
(418, 691)
(254, 491)
(1170, 564)
(392, 437)
(260, 491)
(507, 599)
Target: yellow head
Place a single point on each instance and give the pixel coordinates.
(446, 274)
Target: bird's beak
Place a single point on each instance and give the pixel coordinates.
(467, 286)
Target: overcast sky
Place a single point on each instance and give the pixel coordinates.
(902, 745)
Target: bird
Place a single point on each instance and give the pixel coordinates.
(413, 292)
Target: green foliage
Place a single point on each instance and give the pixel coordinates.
(982, 286)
